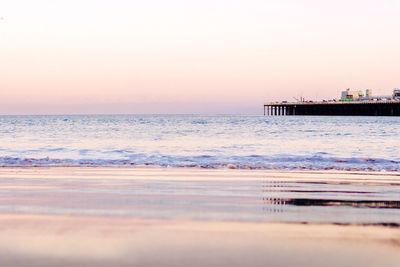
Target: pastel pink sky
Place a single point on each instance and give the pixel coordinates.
(209, 56)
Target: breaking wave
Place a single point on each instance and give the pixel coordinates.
(279, 162)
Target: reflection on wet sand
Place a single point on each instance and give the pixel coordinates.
(350, 203)
(149, 217)
(283, 186)
(253, 196)
(287, 196)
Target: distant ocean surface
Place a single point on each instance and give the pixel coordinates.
(245, 142)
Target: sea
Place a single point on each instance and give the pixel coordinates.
(195, 141)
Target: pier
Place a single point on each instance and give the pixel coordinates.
(333, 108)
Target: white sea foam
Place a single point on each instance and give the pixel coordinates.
(212, 162)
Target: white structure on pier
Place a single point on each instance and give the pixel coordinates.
(358, 95)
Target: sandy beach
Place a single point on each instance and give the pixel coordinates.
(193, 217)
(103, 241)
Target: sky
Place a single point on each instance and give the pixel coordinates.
(203, 57)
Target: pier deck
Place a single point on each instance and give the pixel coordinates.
(355, 108)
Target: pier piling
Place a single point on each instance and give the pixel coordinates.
(361, 108)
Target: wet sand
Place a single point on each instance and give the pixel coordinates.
(170, 217)
(103, 241)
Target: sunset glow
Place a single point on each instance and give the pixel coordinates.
(191, 57)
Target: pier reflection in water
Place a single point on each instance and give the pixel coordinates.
(343, 201)
(249, 196)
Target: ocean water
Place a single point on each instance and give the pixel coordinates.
(245, 142)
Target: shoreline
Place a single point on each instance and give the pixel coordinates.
(201, 169)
